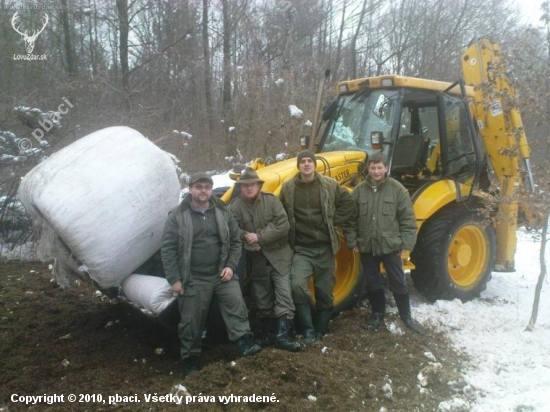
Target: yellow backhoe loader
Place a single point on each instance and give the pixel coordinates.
(460, 150)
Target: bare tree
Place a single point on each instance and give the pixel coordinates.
(124, 28)
(206, 62)
(69, 51)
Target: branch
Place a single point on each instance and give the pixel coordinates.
(531, 325)
(146, 61)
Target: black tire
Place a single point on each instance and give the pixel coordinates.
(454, 254)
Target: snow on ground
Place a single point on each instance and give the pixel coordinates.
(509, 367)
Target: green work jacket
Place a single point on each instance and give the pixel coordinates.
(386, 221)
(266, 217)
(177, 241)
(338, 208)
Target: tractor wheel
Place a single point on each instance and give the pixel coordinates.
(350, 282)
(454, 254)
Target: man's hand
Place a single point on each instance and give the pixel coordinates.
(251, 238)
(355, 249)
(177, 287)
(226, 275)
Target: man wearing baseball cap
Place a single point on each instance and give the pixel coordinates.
(315, 205)
(200, 252)
(264, 232)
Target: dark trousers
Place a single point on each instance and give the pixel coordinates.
(394, 271)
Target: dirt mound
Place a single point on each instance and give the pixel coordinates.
(73, 341)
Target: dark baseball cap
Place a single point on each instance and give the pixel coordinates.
(196, 177)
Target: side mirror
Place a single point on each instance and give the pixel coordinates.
(376, 140)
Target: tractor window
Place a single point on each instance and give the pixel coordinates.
(461, 158)
(359, 115)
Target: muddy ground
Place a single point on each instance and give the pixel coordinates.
(72, 341)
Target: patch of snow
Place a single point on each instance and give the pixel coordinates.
(509, 367)
(295, 112)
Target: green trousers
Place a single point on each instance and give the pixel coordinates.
(269, 288)
(319, 262)
(195, 304)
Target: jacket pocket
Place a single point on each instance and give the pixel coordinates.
(362, 207)
(391, 243)
(388, 207)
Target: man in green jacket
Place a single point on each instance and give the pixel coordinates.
(200, 252)
(315, 205)
(264, 227)
(386, 228)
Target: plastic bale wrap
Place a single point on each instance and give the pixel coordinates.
(101, 204)
(151, 293)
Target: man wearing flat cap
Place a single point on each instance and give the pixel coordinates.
(264, 232)
(315, 205)
(200, 252)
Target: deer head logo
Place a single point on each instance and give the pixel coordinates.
(29, 39)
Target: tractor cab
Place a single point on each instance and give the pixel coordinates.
(424, 129)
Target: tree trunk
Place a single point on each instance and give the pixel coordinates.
(93, 24)
(71, 58)
(340, 39)
(354, 41)
(124, 28)
(531, 325)
(226, 58)
(207, 68)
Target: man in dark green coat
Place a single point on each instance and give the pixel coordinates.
(386, 228)
(315, 205)
(200, 252)
(264, 227)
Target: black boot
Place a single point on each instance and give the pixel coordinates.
(191, 365)
(284, 325)
(245, 346)
(404, 307)
(321, 323)
(377, 301)
(303, 315)
(269, 331)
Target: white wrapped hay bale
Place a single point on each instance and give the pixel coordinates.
(106, 197)
(148, 292)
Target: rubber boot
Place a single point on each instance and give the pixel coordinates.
(377, 301)
(303, 315)
(284, 326)
(245, 346)
(269, 331)
(403, 303)
(191, 365)
(321, 323)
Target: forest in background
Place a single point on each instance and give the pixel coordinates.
(222, 73)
